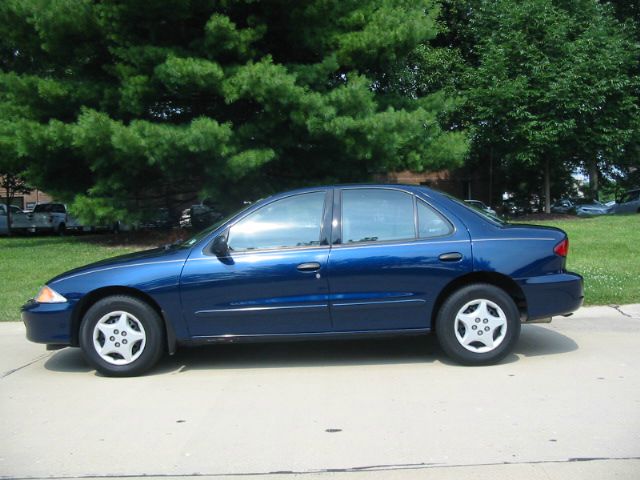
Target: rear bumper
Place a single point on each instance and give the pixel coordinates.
(48, 323)
(551, 295)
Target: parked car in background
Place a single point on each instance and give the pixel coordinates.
(512, 209)
(564, 205)
(583, 207)
(19, 220)
(590, 208)
(199, 216)
(157, 218)
(53, 217)
(481, 206)
(629, 203)
(324, 262)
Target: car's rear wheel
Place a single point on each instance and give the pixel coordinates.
(122, 336)
(478, 325)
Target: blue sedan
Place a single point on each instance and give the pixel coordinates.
(324, 262)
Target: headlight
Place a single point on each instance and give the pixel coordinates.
(49, 295)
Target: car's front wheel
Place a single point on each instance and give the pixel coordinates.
(121, 336)
(478, 325)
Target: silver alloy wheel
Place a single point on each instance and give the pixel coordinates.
(119, 338)
(480, 326)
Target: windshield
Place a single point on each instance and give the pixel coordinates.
(203, 233)
(630, 196)
(586, 201)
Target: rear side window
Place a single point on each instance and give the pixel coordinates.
(431, 223)
(376, 215)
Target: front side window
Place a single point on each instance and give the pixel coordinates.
(291, 222)
(376, 215)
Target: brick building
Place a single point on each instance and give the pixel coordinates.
(26, 201)
(460, 183)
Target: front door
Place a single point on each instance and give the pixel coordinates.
(274, 279)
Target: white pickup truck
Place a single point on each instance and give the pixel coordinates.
(53, 217)
(19, 221)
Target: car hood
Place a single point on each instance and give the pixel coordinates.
(154, 255)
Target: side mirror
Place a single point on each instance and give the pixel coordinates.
(220, 247)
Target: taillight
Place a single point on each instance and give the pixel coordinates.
(562, 248)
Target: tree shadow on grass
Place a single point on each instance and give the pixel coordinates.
(534, 341)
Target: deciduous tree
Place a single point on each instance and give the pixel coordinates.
(550, 85)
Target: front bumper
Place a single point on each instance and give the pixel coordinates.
(552, 295)
(48, 322)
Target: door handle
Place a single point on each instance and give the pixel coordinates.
(309, 267)
(450, 257)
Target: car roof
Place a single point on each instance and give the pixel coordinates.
(398, 186)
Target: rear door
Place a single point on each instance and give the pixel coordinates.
(391, 256)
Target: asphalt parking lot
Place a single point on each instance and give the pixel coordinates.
(565, 405)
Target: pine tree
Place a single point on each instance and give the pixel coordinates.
(124, 104)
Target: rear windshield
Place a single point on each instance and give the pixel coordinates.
(49, 208)
(478, 211)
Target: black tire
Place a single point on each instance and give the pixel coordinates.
(446, 325)
(152, 329)
(61, 230)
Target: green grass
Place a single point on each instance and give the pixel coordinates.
(27, 263)
(605, 250)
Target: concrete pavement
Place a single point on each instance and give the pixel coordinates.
(566, 404)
